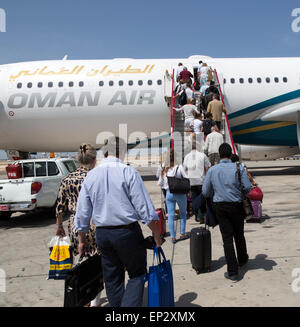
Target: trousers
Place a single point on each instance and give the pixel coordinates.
(231, 221)
(181, 200)
(123, 249)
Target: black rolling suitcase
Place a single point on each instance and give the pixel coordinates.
(200, 249)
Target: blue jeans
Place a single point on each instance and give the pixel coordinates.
(120, 249)
(181, 200)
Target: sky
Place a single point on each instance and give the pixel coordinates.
(101, 29)
(98, 29)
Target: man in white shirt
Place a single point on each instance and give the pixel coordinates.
(212, 144)
(196, 164)
(178, 71)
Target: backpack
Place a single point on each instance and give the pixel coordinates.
(182, 100)
(207, 125)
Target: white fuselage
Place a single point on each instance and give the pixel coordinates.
(57, 105)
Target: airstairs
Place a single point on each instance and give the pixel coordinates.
(181, 141)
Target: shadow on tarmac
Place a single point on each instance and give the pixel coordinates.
(29, 220)
(260, 262)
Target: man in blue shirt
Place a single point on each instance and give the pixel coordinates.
(222, 182)
(113, 195)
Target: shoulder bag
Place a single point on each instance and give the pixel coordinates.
(178, 185)
(247, 206)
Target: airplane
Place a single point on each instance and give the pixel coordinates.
(54, 106)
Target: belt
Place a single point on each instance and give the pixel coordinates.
(129, 226)
(228, 203)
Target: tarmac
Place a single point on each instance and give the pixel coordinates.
(267, 280)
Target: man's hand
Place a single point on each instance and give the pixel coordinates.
(83, 247)
(157, 239)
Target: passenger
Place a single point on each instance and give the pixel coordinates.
(189, 91)
(204, 72)
(235, 158)
(213, 89)
(199, 69)
(212, 144)
(203, 90)
(197, 126)
(186, 75)
(216, 107)
(189, 109)
(222, 180)
(208, 123)
(115, 197)
(196, 164)
(181, 199)
(178, 71)
(67, 202)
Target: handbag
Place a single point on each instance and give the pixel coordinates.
(83, 282)
(160, 281)
(247, 206)
(178, 185)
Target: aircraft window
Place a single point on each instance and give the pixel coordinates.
(140, 83)
(121, 83)
(250, 80)
(149, 82)
(232, 81)
(285, 79)
(258, 80)
(101, 83)
(60, 84)
(19, 86)
(50, 84)
(81, 84)
(130, 83)
(40, 84)
(276, 79)
(111, 83)
(71, 84)
(29, 85)
(224, 80)
(159, 82)
(268, 80)
(241, 80)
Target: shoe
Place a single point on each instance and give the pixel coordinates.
(185, 237)
(202, 221)
(242, 264)
(174, 240)
(233, 278)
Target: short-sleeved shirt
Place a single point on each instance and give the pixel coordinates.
(185, 75)
(195, 163)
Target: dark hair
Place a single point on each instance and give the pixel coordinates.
(235, 158)
(200, 62)
(208, 115)
(114, 146)
(216, 96)
(212, 83)
(225, 151)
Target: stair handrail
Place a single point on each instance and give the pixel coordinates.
(172, 111)
(226, 117)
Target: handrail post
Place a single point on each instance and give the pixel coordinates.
(226, 117)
